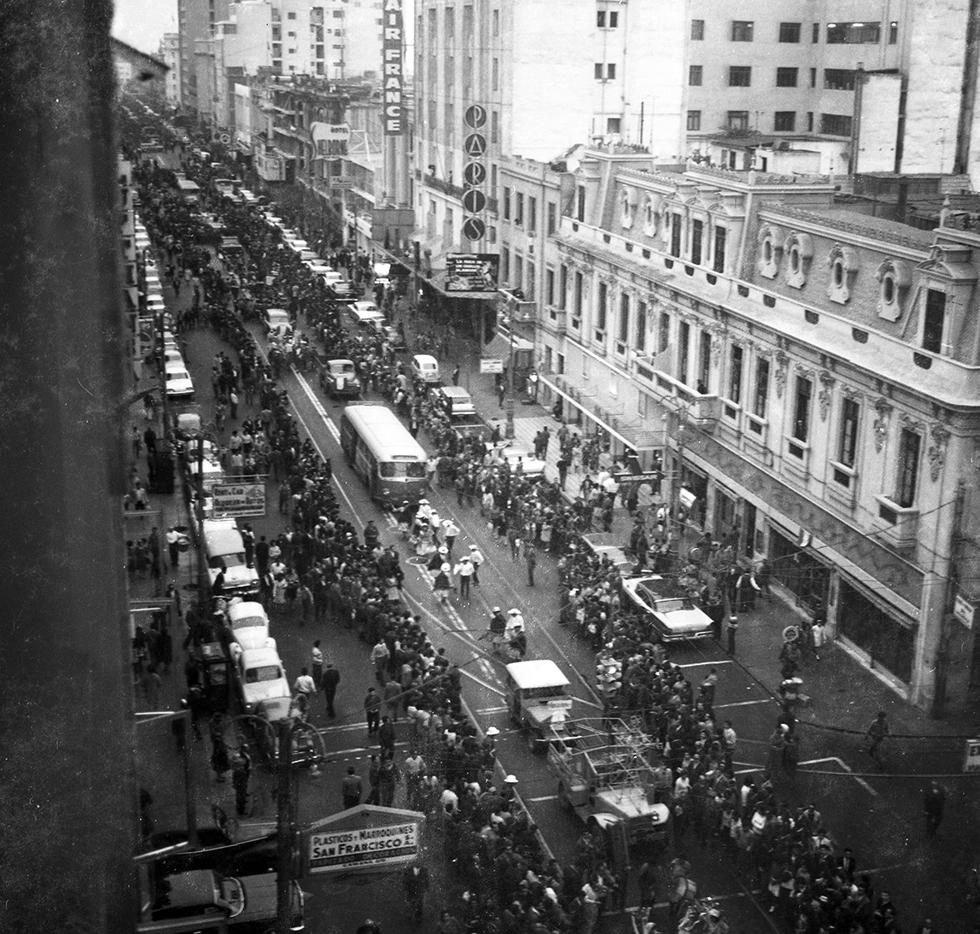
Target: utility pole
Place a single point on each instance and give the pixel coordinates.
(509, 424)
(938, 709)
(284, 824)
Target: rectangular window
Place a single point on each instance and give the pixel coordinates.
(847, 446)
(786, 77)
(600, 307)
(675, 234)
(801, 408)
(789, 32)
(641, 326)
(809, 121)
(494, 127)
(580, 203)
(495, 74)
(697, 30)
(735, 375)
(838, 79)
(738, 120)
(519, 209)
(815, 35)
(552, 213)
(529, 281)
(695, 75)
(684, 340)
(611, 71)
(784, 121)
(663, 332)
(721, 239)
(518, 281)
(532, 214)
(577, 296)
(599, 71)
(853, 33)
(934, 321)
(704, 363)
(907, 479)
(495, 23)
(613, 19)
(892, 33)
(694, 119)
(742, 30)
(623, 332)
(563, 286)
(504, 265)
(505, 202)
(835, 124)
(813, 77)
(605, 72)
(760, 404)
(697, 241)
(614, 124)
(549, 287)
(600, 19)
(740, 76)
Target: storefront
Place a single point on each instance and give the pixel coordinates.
(868, 622)
(695, 483)
(724, 518)
(799, 570)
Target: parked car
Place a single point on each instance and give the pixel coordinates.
(515, 456)
(249, 625)
(672, 613)
(392, 336)
(425, 367)
(365, 313)
(261, 676)
(453, 400)
(608, 545)
(179, 382)
(338, 379)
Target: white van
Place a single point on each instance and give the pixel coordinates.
(225, 549)
(426, 368)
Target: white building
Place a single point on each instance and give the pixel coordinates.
(170, 54)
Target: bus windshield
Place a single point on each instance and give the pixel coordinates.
(410, 469)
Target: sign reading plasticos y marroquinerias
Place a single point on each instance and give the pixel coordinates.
(364, 838)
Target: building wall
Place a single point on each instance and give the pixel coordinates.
(170, 53)
(195, 21)
(813, 480)
(362, 36)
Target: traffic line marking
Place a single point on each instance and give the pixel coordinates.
(481, 682)
(542, 798)
(846, 768)
(316, 403)
(744, 703)
(489, 710)
(721, 661)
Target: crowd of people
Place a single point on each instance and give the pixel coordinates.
(321, 569)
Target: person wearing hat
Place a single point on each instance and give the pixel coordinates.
(442, 583)
(476, 558)
(514, 621)
(464, 571)
(439, 557)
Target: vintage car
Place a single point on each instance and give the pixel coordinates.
(537, 696)
(672, 613)
(338, 379)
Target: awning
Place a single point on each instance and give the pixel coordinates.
(633, 435)
(499, 346)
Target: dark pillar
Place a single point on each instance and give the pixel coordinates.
(66, 730)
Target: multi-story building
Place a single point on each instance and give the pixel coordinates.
(195, 21)
(546, 81)
(893, 82)
(807, 376)
(170, 55)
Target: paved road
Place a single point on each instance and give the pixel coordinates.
(878, 816)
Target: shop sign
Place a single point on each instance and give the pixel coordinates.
(964, 610)
(472, 272)
(491, 365)
(364, 838)
(393, 62)
(238, 499)
(971, 758)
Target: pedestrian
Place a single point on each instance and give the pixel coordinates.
(241, 770)
(388, 778)
(730, 741)
(476, 559)
(791, 755)
(220, 763)
(379, 658)
(330, 681)
(316, 662)
(456, 375)
(501, 392)
(392, 694)
(173, 547)
(386, 735)
(350, 788)
(372, 710)
(878, 730)
(449, 532)
(934, 804)
(305, 686)
(464, 571)
(373, 772)
(777, 743)
(531, 559)
(233, 404)
(305, 596)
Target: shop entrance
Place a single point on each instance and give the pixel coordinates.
(889, 642)
(798, 570)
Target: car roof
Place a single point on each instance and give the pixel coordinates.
(246, 609)
(426, 359)
(456, 392)
(536, 673)
(263, 655)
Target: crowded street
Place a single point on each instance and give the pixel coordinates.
(765, 794)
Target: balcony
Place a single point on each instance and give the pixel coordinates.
(554, 320)
(897, 525)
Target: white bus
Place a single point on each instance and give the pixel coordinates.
(190, 192)
(383, 453)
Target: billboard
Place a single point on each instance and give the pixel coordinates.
(238, 499)
(393, 69)
(337, 850)
(472, 272)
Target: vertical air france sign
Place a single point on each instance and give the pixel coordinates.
(393, 52)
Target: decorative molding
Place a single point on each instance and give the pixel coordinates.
(826, 393)
(849, 392)
(900, 274)
(717, 332)
(883, 412)
(912, 239)
(847, 258)
(798, 249)
(936, 452)
(913, 424)
(770, 238)
(782, 363)
(805, 371)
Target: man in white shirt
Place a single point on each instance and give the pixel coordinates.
(449, 532)
(305, 686)
(464, 571)
(476, 559)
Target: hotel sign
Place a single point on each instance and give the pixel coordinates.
(393, 69)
